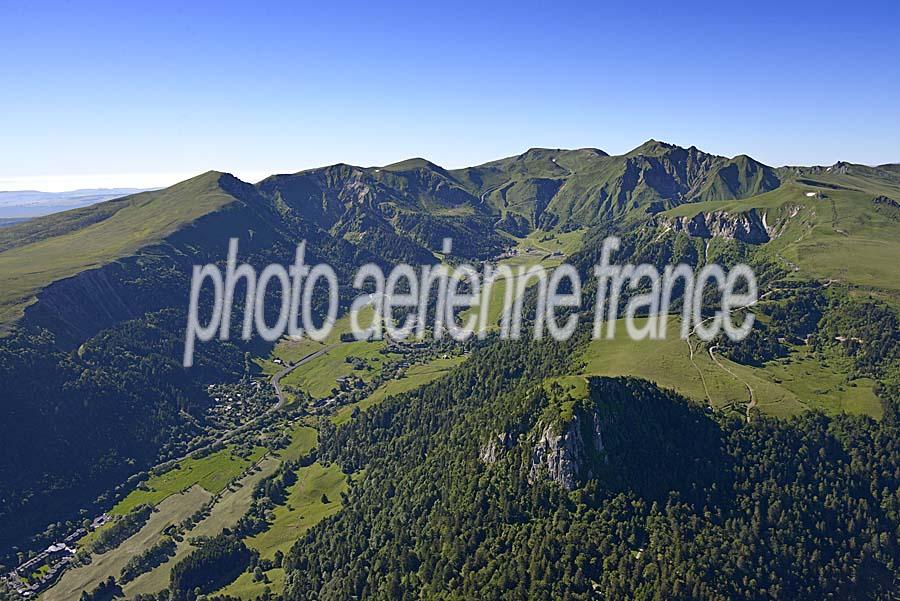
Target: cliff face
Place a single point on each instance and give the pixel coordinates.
(79, 307)
(566, 453)
(495, 447)
(746, 227)
(563, 451)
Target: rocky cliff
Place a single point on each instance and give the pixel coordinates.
(566, 452)
(493, 450)
(747, 226)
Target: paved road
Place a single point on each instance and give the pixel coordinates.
(276, 379)
(276, 382)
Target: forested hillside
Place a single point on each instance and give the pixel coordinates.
(541, 470)
(679, 505)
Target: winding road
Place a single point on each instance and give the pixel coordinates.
(282, 401)
(276, 379)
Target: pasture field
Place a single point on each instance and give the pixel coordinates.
(247, 589)
(212, 473)
(303, 440)
(417, 375)
(835, 234)
(170, 511)
(290, 350)
(319, 376)
(229, 508)
(781, 388)
(303, 509)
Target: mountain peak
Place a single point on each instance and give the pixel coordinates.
(651, 148)
(412, 164)
(212, 175)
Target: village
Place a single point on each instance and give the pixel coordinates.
(42, 570)
(234, 404)
(231, 406)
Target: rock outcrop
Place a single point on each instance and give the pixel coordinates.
(566, 453)
(888, 207)
(886, 201)
(747, 226)
(494, 449)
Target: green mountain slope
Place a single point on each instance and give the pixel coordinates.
(556, 188)
(94, 301)
(95, 387)
(618, 490)
(51, 248)
(407, 208)
(817, 230)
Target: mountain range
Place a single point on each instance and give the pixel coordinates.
(404, 210)
(93, 306)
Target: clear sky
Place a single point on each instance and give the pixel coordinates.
(113, 94)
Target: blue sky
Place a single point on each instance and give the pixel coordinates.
(110, 94)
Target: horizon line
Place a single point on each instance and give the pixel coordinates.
(70, 183)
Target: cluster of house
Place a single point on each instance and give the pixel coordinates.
(42, 570)
(235, 401)
(404, 347)
(345, 385)
(513, 252)
(349, 383)
(325, 403)
(851, 338)
(516, 252)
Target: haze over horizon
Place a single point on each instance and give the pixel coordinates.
(260, 92)
(147, 181)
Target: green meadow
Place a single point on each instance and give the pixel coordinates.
(318, 377)
(228, 509)
(834, 234)
(417, 375)
(212, 473)
(303, 440)
(781, 388)
(302, 509)
(172, 510)
(291, 350)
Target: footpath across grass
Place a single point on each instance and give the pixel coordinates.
(782, 388)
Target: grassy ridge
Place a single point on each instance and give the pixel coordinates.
(147, 218)
(833, 234)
